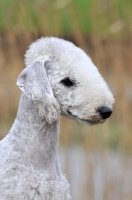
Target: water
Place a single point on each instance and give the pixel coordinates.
(95, 175)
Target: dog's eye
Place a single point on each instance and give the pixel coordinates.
(68, 82)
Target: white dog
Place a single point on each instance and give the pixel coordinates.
(59, 79)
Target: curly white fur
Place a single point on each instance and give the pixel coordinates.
(29, 167)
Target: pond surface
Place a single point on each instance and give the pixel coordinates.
(96, 175)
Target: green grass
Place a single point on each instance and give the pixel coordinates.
(63, 17)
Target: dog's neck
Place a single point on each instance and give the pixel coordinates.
(37, 138)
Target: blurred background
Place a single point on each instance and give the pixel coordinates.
(97, 159)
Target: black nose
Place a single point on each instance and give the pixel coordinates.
(105, 112)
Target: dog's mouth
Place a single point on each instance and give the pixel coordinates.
(95, 119)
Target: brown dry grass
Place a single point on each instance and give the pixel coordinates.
(113, 58)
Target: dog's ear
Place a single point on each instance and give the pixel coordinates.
(34, 83)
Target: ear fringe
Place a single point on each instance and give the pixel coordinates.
(50, 110)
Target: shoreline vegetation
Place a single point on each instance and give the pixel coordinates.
(96, 159)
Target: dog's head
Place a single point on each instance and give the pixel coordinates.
(65, 80)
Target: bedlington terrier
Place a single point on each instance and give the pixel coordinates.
(59, 78)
